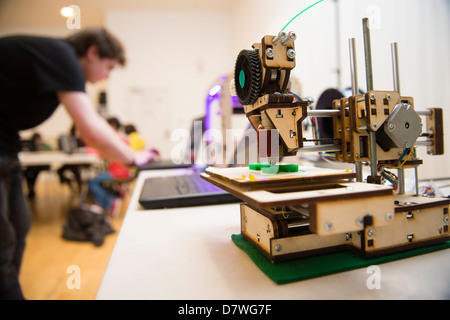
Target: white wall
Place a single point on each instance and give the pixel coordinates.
(174, 58)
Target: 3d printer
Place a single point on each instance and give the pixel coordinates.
(287, 213)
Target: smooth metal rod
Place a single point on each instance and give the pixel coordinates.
(322, 147)
(395, 72)
(401, 181)
(419, 112)
(373, 153)
(298, 224)
(369, 83)
(368, 54)
(354, 79)
(335, 112)
(424, 112)
(323, 113)
(416, 171)
(422, 143)
(353, 73)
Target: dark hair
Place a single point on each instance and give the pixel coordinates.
(108, 45)
(35, 143)
(113, 121)
(129, 128)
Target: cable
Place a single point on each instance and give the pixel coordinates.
(295, 95)
(389, 176)
(427, 190)
(300, 14)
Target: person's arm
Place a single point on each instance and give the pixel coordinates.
(94, 130)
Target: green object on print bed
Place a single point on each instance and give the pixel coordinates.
(273, 169)
(321, 265)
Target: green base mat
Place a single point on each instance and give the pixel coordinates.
(321, 265)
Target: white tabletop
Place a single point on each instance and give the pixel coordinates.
(57, 158)
(187, 253)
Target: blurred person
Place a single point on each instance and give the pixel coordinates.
(115, 171)
(36, 75)
(70, 143)
(38, 144)
(31, 173)
(135, 140)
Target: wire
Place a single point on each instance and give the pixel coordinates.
(300, 14)
(389, 176)
(407, 151)
(328, 156)
(427, 190)
(295, 95)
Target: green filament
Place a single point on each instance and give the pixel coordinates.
(300, 14)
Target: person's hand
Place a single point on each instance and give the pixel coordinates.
(145, 156)
(155, 151)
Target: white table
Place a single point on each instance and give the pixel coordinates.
(187, 253)
(56, 159)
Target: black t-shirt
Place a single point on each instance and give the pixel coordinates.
(32, 70)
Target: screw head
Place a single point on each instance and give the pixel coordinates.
(291, 53)
(360, 222)
(270, 53)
